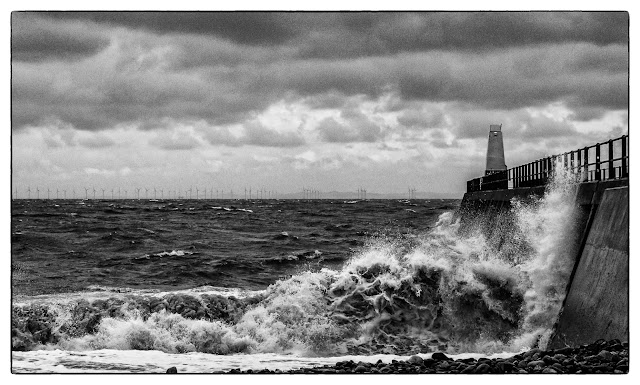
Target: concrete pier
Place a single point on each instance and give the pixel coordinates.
(597, 304)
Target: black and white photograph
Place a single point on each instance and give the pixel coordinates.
(319, 192)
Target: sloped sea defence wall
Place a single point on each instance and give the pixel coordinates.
(597, 301)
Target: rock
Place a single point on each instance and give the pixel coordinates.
(531, 352)
(440, 356)
(559, 357)
(360, 369)
(416, 360)
(605, 356)
(482, 368)
(549, 371)
(539, 363)
(565, 351)
(172, 370)
(386, 369)
(468, 369)
(429, 362)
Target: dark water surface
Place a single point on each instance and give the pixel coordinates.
(70, 245)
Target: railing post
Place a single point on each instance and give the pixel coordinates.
(586, 164)
(612, 173)
(580, 164)
(539, 169)
(571, 163)
(623, 169)
(598, 176)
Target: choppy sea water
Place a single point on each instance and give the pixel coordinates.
(139, 286)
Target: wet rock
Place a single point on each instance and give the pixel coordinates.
(605, 356)
(360, 369)
(531, 353)
(172, 370)
(440, 356)
(416, 360)
(468, 369)
(559, 357)
(482, 369)
(549, 371)
(533, 364)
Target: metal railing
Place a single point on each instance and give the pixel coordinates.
(589, 163)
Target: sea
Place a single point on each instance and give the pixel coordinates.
(138, 286)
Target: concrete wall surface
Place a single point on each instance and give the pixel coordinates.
(597, 303)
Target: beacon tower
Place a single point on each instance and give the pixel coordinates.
(495, 150)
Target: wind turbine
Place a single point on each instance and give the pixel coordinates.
(37, 193)
(154, 193)
(197, 192)
(65, 194)
(137, 188)
(57, 193)
(94, 192)
(146, 193)
(111, 194)
(161, 193)
(86, 193)
(29, 191)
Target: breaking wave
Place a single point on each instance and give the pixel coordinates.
(481, 286)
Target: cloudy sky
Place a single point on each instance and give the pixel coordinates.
(331, 101)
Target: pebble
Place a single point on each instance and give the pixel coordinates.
(599, 357)
(416, 360)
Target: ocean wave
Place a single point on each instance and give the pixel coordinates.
(450, 289)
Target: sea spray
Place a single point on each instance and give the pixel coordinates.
(446, 289)
(550, 227)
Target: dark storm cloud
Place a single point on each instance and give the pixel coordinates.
(370, 33)
(36, 39)
(241, 27)
(214, 67)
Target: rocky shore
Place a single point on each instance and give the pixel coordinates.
(599, 357)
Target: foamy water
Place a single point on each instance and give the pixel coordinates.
(466, 293)
(132, 361)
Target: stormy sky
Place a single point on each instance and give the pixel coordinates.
(331, 101)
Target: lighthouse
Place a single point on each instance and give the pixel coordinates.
(495, 150)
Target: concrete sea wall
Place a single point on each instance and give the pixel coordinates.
(597, 301)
